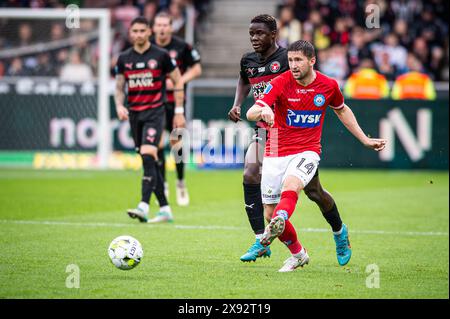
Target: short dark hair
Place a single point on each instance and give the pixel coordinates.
(140, 20)
(304, 47)
(267, 19)
(162, 14)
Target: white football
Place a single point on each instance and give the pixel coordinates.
(125, 252)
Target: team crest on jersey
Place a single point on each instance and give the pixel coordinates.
(129, 65)
(152, 64)
(173, 54)
(275, 66)
(319, 100)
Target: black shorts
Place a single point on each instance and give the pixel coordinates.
(170, 113)
(147, 126)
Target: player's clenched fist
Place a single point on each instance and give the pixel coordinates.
(179, 121)
(267, 115)
(235, 114)
(376, 144)
(122, 112)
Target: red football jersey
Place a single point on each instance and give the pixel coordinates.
(299, 113)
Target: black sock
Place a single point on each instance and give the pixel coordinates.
(180, 165)
(159, 190)
(254, 207)
(149, 178)
(162, 164)
(180, 171)
(333, 218)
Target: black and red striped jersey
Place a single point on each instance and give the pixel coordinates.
(258, 73)
(183, 53)
(145, 75)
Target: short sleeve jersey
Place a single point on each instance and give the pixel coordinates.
(145, 76)
(299, 113)
(184, 55)
(258, 73)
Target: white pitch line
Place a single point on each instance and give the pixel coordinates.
(217, 227)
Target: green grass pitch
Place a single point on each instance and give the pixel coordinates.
(398, 221)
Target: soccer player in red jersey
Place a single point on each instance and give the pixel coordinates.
(258, 68)
(143, 69)
(300, 98)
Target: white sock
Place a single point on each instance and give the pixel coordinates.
(339, 232)
(300, 254)
(166, 209)
(143, 206)
(259, 236)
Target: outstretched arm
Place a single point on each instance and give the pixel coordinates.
(347, 118)
(242, 91)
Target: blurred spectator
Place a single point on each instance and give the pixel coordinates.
(25, 35)
(358, 49)
(290, 29)
(386, 68)
(333, 62)
(76, 71)
(17, 68)
(340, 33)
(2, 69)
(406, 9)
(421, 51)
(45, 67)
(391, 50)
(150, 10)
(125, 13)
(25, 38)
(366, 83)
(348, 8)
(437, 63)
(317, 30)
(414, 84)
(401, 30)
(57, 31)
(178, 19)
(433, 27)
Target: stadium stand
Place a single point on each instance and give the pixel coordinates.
(413, 35)
(24, 34)
(406, 27)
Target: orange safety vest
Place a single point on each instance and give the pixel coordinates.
(413, 85)
(366, 84)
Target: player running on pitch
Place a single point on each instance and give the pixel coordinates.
(144, 68)
(300, 98)
(188, 61)
(258, 68)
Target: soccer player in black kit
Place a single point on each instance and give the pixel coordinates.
(143, 68)
(258, 68)
(188, 61)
